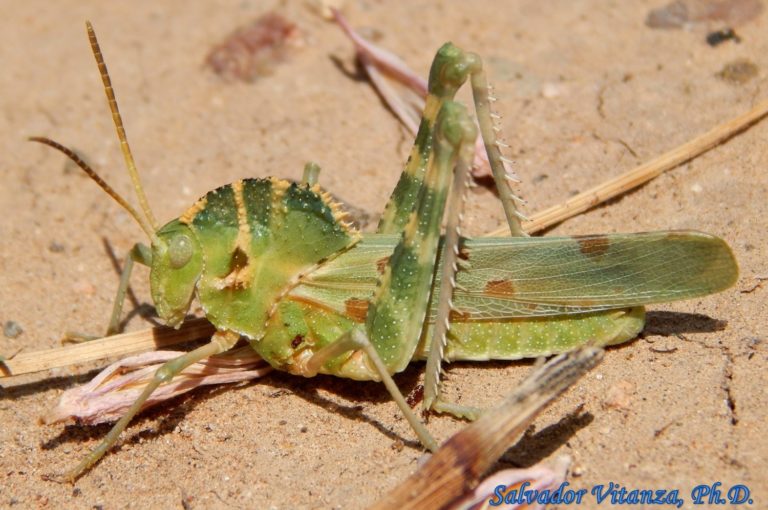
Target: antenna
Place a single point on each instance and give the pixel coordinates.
(102, 184)
(147, 223)
(129, 162)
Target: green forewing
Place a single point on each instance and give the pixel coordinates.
(530, 277)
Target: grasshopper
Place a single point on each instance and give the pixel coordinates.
(277, 263)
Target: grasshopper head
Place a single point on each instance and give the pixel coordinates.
(177, 263)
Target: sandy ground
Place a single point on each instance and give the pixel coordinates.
(586, 90)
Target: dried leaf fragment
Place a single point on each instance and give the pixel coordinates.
(255, 49)
(109, 395)
(682, 13)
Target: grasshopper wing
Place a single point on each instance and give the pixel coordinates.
(526, 277)
(542, 276)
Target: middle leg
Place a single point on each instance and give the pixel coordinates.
(396, 314)
(432, 395)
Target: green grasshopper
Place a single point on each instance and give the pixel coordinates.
(277, 263)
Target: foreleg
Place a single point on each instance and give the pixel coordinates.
(222, 341)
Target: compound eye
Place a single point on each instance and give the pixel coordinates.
(180, 250)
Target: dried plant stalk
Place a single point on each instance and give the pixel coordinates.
(455, 469)
(117, 345)
(641, 174)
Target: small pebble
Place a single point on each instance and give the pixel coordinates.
(553, 90)
(720, 36)
(738, 71)
(11, 329)
(84, 287)
(55, 247)
(619, 396)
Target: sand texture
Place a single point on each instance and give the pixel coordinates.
(586, 90)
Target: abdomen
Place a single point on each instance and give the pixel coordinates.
(531, 337)
(299, 329)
